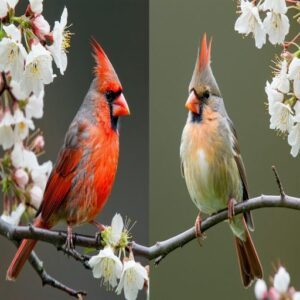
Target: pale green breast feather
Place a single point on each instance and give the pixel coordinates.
(210, 170)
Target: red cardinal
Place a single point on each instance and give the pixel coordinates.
(84, 174)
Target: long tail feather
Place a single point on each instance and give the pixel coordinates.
(22, 254)
(249, 263)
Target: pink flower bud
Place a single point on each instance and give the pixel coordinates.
(38, 143)
(40, 27)
(36, 195)
(273, 294)
(21, 177)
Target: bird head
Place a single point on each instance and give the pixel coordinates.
(108, 84)
(203, 84)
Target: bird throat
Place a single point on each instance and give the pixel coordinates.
(197, 118)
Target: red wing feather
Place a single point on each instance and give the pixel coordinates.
(60, 181)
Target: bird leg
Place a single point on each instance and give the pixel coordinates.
(230, 208)
(69, 245)
(199, 235)
(100, 226)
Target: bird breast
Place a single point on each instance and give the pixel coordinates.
(210, 170)
(96, 174)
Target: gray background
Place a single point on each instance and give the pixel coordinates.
(211, 272)
(122, 29)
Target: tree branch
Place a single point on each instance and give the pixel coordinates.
(157, 251)
(38, 266)
(163, 248)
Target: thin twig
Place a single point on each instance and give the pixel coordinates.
(76, 255)
(279, 183)
(38, 266)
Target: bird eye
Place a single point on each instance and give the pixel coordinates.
(206, 94)
(110, 96)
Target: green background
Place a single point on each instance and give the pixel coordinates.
(211, 271)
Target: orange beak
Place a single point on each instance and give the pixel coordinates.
(193, 103)
(120, 107)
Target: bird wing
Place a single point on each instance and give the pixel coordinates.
(242, 171)
(60, 180)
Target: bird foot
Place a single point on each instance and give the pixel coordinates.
(199, 235)
(69, 245)
(230, 208)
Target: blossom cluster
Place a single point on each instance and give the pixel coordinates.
(107, 264)
(280, 288)
(28, 48)
(284, 90)
(284, 101)
(276, 24)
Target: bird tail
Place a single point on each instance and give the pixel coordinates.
(249, 263)
(22, 254)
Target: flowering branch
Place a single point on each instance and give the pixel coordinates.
(160, 249)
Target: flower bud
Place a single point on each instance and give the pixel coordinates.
(281, 280)
(40, 27)
(260, 290)
(21, 177)
(38, 143)
(36, 195)
(273, 294)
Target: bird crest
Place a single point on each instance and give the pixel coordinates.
(104, 71)
(203, 75)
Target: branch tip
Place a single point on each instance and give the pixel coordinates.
(279, 183)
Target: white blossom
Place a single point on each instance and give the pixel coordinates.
(294, 135)
(294, 139)
(5, 5)
(249, 22)
(38, 70)
(277, 6)
(15, 216)
(296, 296)
(281, 81)
(12, 52)
(281, 280)
(132, 279)
(21, 177)
(106, 265)
(17, 91)
(277, 26)
(23, 158)
(36, 6)
(36, 196)
(60, 42)
(294, 74)
(40, 174)
(281, 118)
(117, 226)
(6, 131)
(273, 97)
(260, 289)
(35, 106)
(22, 125)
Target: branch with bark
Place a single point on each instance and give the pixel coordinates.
(155, 252)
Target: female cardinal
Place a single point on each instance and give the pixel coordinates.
(211, 162)
(83, 176)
